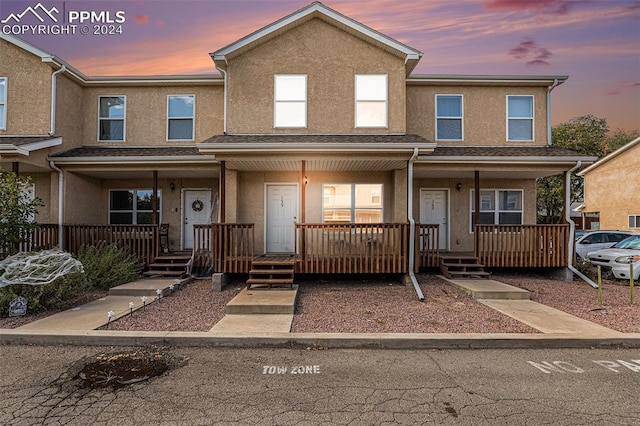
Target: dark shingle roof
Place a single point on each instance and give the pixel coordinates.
(311, 139)
(109, 151)
(502, 151)
(26, 140)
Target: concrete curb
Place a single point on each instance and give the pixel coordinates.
(319, 340)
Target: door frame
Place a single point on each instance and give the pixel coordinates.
(182, 211)
(447, 192)
(266, 212)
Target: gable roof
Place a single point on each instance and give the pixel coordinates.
(319, 10)
(630, 145)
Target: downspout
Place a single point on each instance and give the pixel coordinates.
(412, 225)
(60, 202)
(54, 79)
(549, 89)
(224, 107)
(572, 228)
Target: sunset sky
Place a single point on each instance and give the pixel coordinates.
(596, 43)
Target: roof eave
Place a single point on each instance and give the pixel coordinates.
(610, 156)
(459, 159)
(183, 159)
(316, 147)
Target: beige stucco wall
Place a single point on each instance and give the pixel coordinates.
(330, 58)
(612, 189)
(146, 113)
(484, 113)
(82, 200)
(28, 91)
(70, 110)
(460, 236)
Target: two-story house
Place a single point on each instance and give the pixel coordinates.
(315, 141)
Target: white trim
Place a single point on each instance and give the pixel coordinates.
(3, 103)
(445, 117)
(192, 118)
(637, 220)
(369, 101)
(389, 148)
(276, 101)
(496, 210)
(124, 119)
(200, 159)
(448, 192)
(265, 208)
(533, 117)
(614, 154)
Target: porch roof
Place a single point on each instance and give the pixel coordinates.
(23, 145)
(126, 155)
(504, 153)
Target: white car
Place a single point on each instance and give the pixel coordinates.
(619, 258)
(596, 240)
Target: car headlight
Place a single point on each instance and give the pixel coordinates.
(628, 259)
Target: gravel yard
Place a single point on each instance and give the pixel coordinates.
(375, 304)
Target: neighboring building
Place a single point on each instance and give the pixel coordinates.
(315, 134)
(612, 189)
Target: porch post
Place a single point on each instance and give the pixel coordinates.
(565, 207)
(223, 192)
(476, 206)
(154, 199)
(303, 206)
(15, 168)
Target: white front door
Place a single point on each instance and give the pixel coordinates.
(434, 210)
(197, 211)
(281, 208)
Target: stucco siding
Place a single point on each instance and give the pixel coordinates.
(330, 58)
(613, 190)
(484, 113)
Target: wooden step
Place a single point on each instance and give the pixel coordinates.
(271, 271)
(270, 281)
(461, 274)
(156, 273)
(463, 265)
(167, 265)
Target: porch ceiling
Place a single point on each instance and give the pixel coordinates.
(147, 174)
(453, 172)
(327, 164)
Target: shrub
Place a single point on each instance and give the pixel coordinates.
(107, 266)
(58, 295)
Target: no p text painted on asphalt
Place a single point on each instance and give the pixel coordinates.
(616, 366)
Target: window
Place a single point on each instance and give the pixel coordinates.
(3, 103)
(520, 118)
(498, 206)
(352, 203)
(634, 221)
(180, 117)
(111, 118)
(132, 206)
(371, 100)
(449, 117)
(290, 94)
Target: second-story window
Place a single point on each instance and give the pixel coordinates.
(180, 117)
(290, 96)
(449, 117)
(3, 103)
(520, 118)
(371, 100)
(112, 115)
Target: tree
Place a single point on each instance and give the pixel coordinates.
(17, 210)
(587, 135)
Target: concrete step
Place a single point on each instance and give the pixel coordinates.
(250, 301)
(159, 273)
(145, 287)
(489, 289)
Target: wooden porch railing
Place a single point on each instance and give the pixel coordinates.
(427, 245)
(224, 247)
(42, 237)
(140, 240)
(522, 245)
(352, 248)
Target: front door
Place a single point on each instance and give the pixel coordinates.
(197, 211)
(281, 208)
(434, 210)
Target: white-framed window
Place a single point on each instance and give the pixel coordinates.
(132, 206)
(290, 101)
(520, 118)
(181, 114)
(449, 124)
(352, 203)
(112, 113)
(634, 221)
(371, 100)
(498, 207)
(3, 103)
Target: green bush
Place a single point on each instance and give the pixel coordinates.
(58, 295)
(107, 266)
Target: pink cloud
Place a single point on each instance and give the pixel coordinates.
(160, 23)
(141, 19)
(529, 49)
(559, 7)
(622, 87)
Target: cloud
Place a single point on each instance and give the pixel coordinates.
(141, 19)
(529, 49)
(554, 7)
(622, 87)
